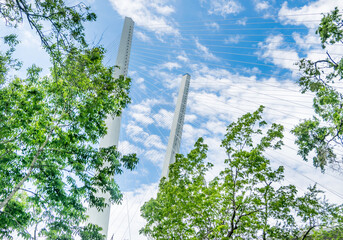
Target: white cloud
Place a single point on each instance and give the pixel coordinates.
(306, 42)
(155, 156)
(29, 38)
(140, 112)
(136, 132)
(142, 118)
(309, 15)
(261, 5)
(242, 21)
(150, 14)
(224, 7)
(224, 96)
(142, 36)
(252, 71)
(125, 147)
(191, 133)
(162, 9)
(189, 118)
(145, 106)
(164, 118)
(233, 39)
(183, 57)
(215, 126)
(205, 52)
(169, 79)
(276, 51)
(140, 82)
(213, 25)
(206, 104)
(153, 141)
(140, 135)
(171, 65)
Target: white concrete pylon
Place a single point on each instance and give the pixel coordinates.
(102, 218)
(177, 125)
(123, 57)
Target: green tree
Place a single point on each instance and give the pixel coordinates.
(65, 24)
(50, 126)
(324, 132)
(247, 200)
(334, 233)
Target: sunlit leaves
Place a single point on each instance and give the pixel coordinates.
(50, 167)
(324, 132)
(247, 200)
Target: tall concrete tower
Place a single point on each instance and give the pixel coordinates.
(123, 57)
(177, 126)
(113, 124)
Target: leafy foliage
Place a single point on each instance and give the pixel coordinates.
(66, 23)
(328, 233)
(325, 131)
(247, 200)
(50, 126)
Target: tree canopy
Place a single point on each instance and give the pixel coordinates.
(323, 134)
(50, 165)
(58, 24)
(247, 200)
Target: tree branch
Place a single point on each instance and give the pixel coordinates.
(331, 58)
(18, 223)
(18, 186)
(307, 232)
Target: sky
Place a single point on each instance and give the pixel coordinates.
(240, 55)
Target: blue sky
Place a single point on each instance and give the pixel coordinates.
(240, 54)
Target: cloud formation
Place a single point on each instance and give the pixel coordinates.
(204, 51)
(224, 7)
(218, 96)
(153, 15)
(308, 15)
(274, 50)
(261, 5)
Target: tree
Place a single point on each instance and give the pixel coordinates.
(50, 126)
(328, 233)
(247, 200)
(65, 23)
(324, 132)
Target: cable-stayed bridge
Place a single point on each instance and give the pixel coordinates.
(235, 67)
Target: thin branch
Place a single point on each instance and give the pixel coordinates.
(46, 165)
(7, 151)
(307, 232)
(35, 232)
(18, 186)
(18, 223)
(29, 191)
(10, 140)
(331, 58)
(248, 214)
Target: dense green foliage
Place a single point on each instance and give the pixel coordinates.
(334, 233)
(50, 125)
(247, 200)
(65, 24)
(322, 134)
